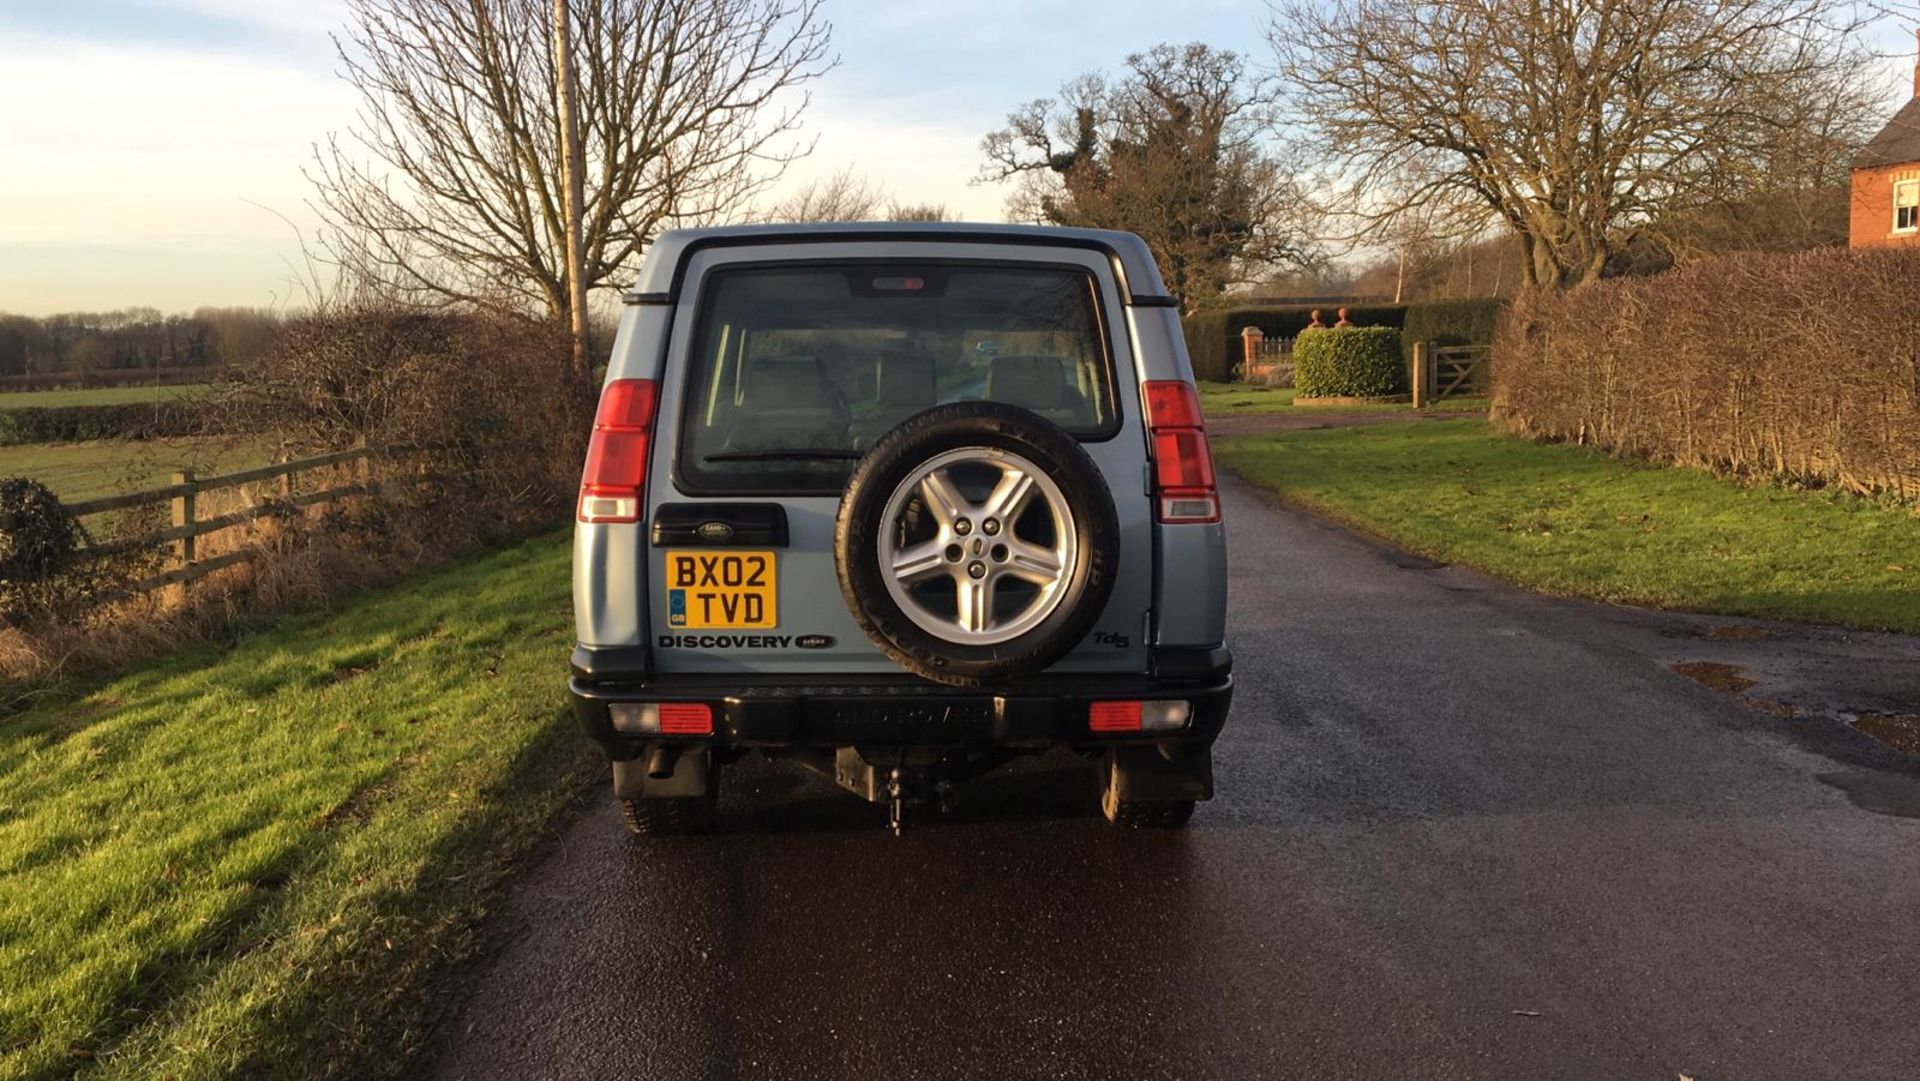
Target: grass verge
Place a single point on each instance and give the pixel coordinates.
(256, 859)
(1230, 399)
(1568, 520)
(22, 399)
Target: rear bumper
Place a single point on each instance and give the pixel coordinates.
(906, 711)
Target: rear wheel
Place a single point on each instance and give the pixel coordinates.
(674, 814)
(1145, 813)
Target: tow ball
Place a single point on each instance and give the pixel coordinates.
(907, 785)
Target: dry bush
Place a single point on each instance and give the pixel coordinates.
(489, 400)
(481, 427)
(1804, 368)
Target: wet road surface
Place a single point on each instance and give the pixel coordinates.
(1461, 832)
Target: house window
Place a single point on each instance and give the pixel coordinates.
(1906, 206)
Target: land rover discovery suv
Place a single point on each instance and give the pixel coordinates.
(900, 503)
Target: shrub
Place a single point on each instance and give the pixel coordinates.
(1452, 322)
(1349, 362)
(1803, 367)
(39, 541)
(76, 423)
(1213, 337)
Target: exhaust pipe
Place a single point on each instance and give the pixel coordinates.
(662, 760)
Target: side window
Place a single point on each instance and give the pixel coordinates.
(1906, 206)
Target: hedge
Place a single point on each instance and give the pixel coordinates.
(1803, 367)
(75, 423)
(1213, 337)
(1452, 322)
(1349, 362)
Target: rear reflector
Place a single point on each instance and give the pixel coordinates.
(1183, 480)
(616, 471)
(1114, 717)
(686, 719)
(1158, 715)
(662, 718)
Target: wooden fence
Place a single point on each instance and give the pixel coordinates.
(1446, 371)
(186, 526)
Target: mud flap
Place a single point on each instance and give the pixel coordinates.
(630, 780)
(1146, 772)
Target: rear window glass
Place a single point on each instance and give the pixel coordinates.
(797, 370)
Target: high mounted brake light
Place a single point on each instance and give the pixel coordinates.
(1183, 483)
(616, 473)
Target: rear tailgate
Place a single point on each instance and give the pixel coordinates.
(729, 591)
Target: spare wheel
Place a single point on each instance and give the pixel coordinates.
(976, 542)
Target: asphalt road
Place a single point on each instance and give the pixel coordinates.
(1461, 831)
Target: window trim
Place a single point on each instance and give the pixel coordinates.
(1913, 186)
(1103, 332)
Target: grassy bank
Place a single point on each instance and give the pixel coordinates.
(23, 399)
(256, 859)
(1230, 399)
(1567, 520)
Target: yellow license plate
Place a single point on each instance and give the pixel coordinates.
(707, 588)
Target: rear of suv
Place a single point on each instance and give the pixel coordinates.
(900, 503)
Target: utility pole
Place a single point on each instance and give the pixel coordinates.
(572, 170)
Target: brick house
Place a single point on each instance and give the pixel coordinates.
(1886, 181)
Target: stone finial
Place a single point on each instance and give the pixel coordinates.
(1343, 319)
(1316, 324)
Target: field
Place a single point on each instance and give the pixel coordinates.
(23, 399)
(86, 470)
(1568, 520)
(253, 858)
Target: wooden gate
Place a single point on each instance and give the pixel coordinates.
(1449, 371)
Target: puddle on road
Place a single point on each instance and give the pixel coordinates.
(1714, 675)
(1901, 731)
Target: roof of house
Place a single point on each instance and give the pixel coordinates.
(1898, 143)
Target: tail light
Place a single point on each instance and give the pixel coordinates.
(1128, 715)
(1184, 489)
(662, 718)
(616, 474)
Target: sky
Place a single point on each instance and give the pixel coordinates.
(151, 151)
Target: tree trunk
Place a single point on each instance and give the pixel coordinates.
(572, 168)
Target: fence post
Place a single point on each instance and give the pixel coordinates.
(1250, 338)
(183, 515)
(1421, 362)
(363, 465)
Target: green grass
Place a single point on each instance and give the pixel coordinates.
(1230, 399)
(22, 399)
(1568, 520)
(86, 470)
(1227, 399)
(256, 859)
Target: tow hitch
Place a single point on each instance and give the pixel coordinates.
(903, 777)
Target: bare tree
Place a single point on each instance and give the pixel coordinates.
(919, 212)
(1580, 124)
(1176, 149)
(843, 196)
(450, 186)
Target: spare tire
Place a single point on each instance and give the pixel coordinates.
(976, 542)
